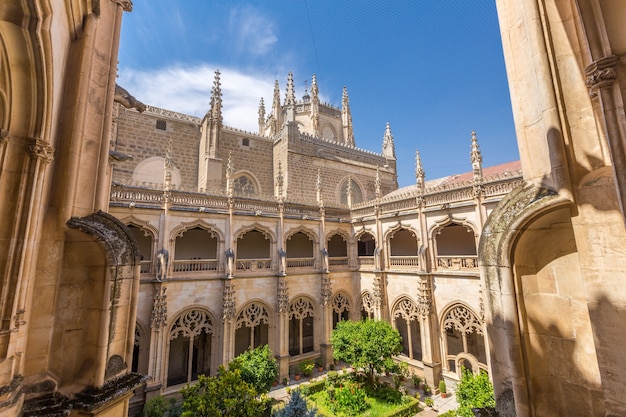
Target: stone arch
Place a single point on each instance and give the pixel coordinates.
(252, 325)
(437, 226)
(191, 338)
(327, 127)
(180, 229)
(302, 314)
(462, 337)
(406, 316)
(310, 233)
(341, 303)
(358, 190)
(267, 233)
(347, 237)
(410, 248)
(499, 242)
(253, 180)
(97, 285)
(367, 305)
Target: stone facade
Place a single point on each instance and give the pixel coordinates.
(292, 233)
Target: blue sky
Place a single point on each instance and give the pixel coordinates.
(433, 70)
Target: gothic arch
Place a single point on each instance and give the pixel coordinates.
(179, 230)
(406, 318)
(267, 233)
(347, 237)
(437, 226)
(253, 325)
(466, 319)
(255, 181)
(358, 234)
(269, 312)
(397, 227)
(366, 303)
(141, 224)
(358, 190)
(323, 128)
(310, 233)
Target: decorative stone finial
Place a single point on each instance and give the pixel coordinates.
(389, 150)
(419, 171)
(216, 99)
(346, 118)
(290, 96)
(476, 157)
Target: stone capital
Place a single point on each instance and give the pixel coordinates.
(127, 5)
(40, 149)
(601, 72)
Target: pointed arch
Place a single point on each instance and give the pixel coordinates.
(448, 220)
(267, 232)
(191, 336)
(303, 229)
(462, 338)
(358, 193)
(406, 319)
(251, 188)
(402, 246)
(252, 325)
(180, 229)
(367, 305)
(302, 314)
(341, 304)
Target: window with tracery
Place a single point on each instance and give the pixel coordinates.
(301, 326)
(243, 186)
(355, 190)
(341, 308)
(367, 306)
(189, 347)
(252, 327)
(406, 320)
(463, 334)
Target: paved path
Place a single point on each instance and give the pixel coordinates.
(442, 405)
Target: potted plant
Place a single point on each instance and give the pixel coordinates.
(416, 381)
(306, 367)
(429, 402)
(427, 390)
(320, 364)
(443, 389)
(285, 381)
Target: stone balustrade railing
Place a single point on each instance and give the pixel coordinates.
(457, 263)
(338, 261)
(195, 265)
(404, 261)
(254, 265)
(300, 262)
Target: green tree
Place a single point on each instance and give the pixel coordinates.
(226, 394)
(368, 344)
(296, 407)
(474, 391)
(258, 367)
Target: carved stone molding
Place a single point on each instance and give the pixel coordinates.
(424, 298)
(159, 309)
(228, 301)
(601, 72)
(282, 296)
(40, 149)
(127, 5)
(326, 290)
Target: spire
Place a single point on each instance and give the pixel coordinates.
(315, 107)
(276, 111)
(346, 119)
(419, 172)
(261, 117)
(290, 100)
(377, 183)
(216, 100)
(476, 157)
(230, 170)
(290, 96)
(389, 150)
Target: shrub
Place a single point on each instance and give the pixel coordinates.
(474, 391)
(416, 380)
(442, 386)
(296, 407)
(349, 398)
(157, 407)
(306, 367)
(427, 390)
(333, 378)
(449, 413)
(408, 410)
(429, 402)
(258, 367)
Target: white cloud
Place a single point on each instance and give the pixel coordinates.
(188, 90)
(251, 32)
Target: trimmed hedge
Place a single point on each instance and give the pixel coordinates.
(313, 387)
(409, 409)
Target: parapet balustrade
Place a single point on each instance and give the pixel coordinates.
(366, 261)
(404, 261)
(146, 266)
(254, 264)
(300, 262)
(457, 263)
(195, 265)
(338, 261)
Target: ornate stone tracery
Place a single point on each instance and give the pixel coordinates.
(253, 315)
(191, 323)
(40, 149)
(327, 291)
(462, 319)
(367, 303)
(424, 298)
(340, 303)
(228, 301)
(282, 296)
(406, 309)
(301, 308)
